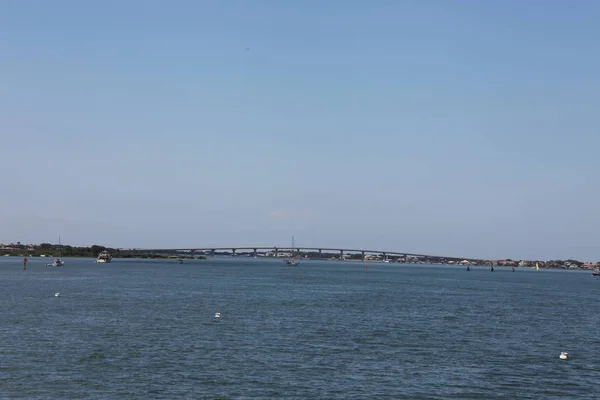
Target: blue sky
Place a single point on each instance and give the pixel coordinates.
(444, 127)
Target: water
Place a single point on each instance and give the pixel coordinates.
(323, 330)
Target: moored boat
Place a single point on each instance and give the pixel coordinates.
(104, 257)
(293, 260)
(58, 262)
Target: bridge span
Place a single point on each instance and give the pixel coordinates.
(281, 249)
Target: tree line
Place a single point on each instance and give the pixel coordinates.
(54, 250)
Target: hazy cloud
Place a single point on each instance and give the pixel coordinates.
(289, 213)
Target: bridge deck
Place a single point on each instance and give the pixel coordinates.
(283, 248)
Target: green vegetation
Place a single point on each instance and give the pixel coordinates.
(54, 250)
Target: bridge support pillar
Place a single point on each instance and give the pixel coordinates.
(363, 255)
(254, 254)
(276, 252)
(341, 254)
(320, 254)
(212, 252)
(384, 256)
(233, 252)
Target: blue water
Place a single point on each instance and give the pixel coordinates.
(138, 329)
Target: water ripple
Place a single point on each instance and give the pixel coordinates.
(318, 331)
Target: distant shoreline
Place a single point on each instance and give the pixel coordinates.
(355, 261)
(65, 251)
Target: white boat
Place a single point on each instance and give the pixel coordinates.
(596, 271)
(104, 257)
(292, 261)
(57, 261)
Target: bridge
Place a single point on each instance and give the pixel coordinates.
(289, 249)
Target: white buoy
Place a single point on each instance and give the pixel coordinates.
(218, 315)
(56, 294)
(563, 355)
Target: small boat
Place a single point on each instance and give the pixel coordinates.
(104, 257)
(57, 261)
(292, 261)
(596, 271)
(564, 355)
(537, 266)
(180, 261)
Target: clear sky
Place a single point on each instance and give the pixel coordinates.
(466, 128)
